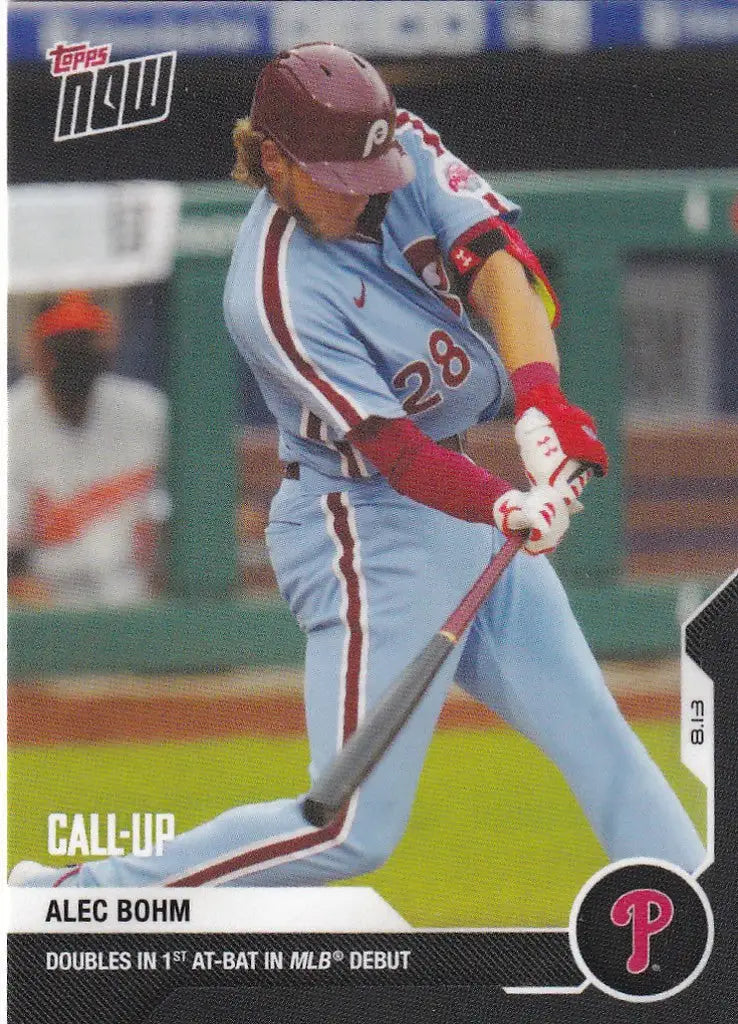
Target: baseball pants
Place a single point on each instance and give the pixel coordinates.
(370, 576)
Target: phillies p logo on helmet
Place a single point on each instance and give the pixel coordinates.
(635, 908)
(377, 134)
(641, 930)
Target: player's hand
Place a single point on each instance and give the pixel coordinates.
(546, 461)
(541, 511)
(553, 436)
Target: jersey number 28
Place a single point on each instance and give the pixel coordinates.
(445, 353)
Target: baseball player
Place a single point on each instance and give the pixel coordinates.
(347, 295)
(84, 450)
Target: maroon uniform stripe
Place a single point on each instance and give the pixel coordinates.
(347, 568)
(293, 845)
(348, 452)
(494, 202)
(430, 138)
(278, 323)
(313, 427)
(313, 432)
(67, 874)
(261, 855)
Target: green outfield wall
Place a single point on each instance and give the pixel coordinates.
(211, 635)
(584, 226)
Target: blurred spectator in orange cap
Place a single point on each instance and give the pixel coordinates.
(85, 451)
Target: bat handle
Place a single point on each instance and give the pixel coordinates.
(462, 615)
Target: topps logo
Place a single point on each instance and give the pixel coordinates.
(99, 96)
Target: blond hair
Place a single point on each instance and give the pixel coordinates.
(247, 142)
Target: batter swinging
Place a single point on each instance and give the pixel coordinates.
(340, 299)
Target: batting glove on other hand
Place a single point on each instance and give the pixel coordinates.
(545, 460)
(541, 511)
(575, 430)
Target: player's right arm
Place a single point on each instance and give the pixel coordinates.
(417, 467)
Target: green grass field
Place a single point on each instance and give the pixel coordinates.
(495, 837)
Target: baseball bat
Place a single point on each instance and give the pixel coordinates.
(365, 747)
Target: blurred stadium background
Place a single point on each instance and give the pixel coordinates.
(614, 124)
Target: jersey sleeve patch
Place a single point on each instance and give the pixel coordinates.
(453, 175)
(471, 249)
(453, 197)
(459, 179)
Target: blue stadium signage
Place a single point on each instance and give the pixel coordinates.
(374, 27)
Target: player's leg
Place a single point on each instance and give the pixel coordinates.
(526, 658)
(396, 580)
(365, 586)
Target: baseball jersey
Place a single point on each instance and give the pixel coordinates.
(76, 494)
(336, 332)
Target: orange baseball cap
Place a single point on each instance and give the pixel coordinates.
(74, 311)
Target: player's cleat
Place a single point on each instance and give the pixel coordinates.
(30, 871)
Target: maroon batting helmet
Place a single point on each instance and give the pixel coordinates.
(329, 111)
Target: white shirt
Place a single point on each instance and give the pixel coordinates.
(75, 494)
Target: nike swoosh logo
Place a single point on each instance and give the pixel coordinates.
(361, 299)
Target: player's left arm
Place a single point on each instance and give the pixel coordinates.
(497, 272)
(502, 295)
(552, 433)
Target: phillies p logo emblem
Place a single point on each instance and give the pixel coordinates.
(648, 912)
(641, 930)
(376, 136)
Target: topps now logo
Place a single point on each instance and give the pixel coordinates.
(99, 96)
(641, 930)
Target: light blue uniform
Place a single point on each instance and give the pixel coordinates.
(337, 332)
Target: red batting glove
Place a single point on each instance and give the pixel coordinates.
(572, 430)
(545, 461)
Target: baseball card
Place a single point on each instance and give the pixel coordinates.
(371, 490)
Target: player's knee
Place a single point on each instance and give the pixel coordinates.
(366, 854)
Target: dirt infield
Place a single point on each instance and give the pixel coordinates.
(267, 703)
